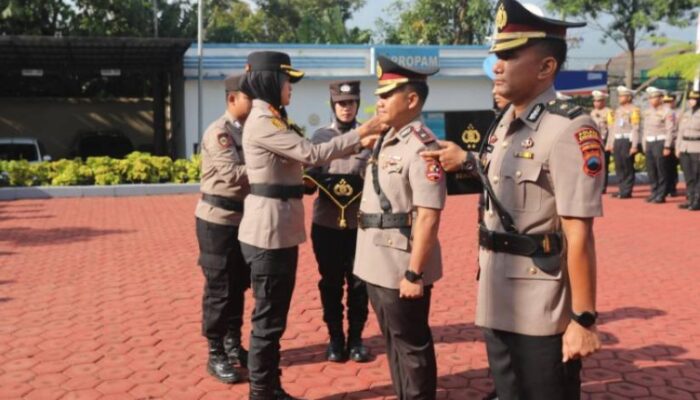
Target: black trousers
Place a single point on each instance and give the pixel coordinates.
(657, 168)
(624, 165)
(335, 254)
(226, 278)
(409, 342)
(672, 173)
(607, 170)
(273, 275)
(530, 367)
(690, 162)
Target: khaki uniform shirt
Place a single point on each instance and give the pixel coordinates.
(276, 154)
(689, 127)
(625, 125)
(326, 213)
(382, 256)
(536, 166)
(223, 170)
(603, 118)
(658, 126)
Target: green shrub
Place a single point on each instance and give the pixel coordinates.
(137, 167)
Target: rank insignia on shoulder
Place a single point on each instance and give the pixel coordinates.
(564, 108)
(278, 123)
(424, 136)
(224, 140)
(535, 113)
(433, 171)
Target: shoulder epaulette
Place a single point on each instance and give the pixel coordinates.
(564, 108)
(423, 135)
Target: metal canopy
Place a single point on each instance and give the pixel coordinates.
(88, 54)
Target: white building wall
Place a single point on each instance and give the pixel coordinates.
(461, 85)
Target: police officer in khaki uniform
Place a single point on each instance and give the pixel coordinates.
(603, 117)
(658, 124)
(273, 225)
(224, 185)
(672, 160)
(688, 150)
(334, 229)
(398, 252)
(543, 172)
(623, 141)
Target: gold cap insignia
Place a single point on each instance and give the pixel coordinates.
(380, 72)
(501, 17)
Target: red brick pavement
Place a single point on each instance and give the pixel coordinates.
(99, 299)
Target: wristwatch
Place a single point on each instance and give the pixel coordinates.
(412, 276)
(586, 319)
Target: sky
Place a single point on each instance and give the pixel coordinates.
(591, 51)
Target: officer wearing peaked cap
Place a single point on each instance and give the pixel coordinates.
(543, 172)
(658, 123)
(334, 229)
(688, 151)
(398, 252)
(623, 141)
(224, 185)
(273, 227)
(603, 117)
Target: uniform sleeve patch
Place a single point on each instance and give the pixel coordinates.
(589, 142)
(433, 171)
(225, 140)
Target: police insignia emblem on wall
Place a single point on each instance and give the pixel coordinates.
(471, 137)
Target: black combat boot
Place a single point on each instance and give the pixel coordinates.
(686, 203)
(237, 354)
(356, 350)
(694, 204)
(218, 365)
(336, 348)
(260, 393)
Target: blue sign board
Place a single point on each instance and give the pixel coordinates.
(436, 122)
(415, 57)
(581, 82)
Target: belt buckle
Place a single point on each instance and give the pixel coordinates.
(546, 244)
(410, 219)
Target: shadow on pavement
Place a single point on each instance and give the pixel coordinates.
(39, 237)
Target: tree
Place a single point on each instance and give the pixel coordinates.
(679, 60)
(631, 21)
(34, 17)
(438, 22)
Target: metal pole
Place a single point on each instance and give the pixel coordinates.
(696, 84)
(199, 74)
(155, 18)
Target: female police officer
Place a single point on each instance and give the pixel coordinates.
(273, 225)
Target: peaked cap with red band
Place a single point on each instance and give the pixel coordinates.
(516, 25)
(391, 74)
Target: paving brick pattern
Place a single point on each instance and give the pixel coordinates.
(100, 299)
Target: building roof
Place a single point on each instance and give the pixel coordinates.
(77, 54)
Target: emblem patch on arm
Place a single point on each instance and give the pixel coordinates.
(433, 171)
(225, 140)
(591, 146)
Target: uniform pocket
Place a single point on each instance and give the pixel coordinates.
(521, 190)
(394, 240)
(519, 267)
(215, 274)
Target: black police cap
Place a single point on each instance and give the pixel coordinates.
(233, 83)
(391, 74)
(516, 25)
(344, 90)
(273, 61)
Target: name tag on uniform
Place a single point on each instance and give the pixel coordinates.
(525, 154)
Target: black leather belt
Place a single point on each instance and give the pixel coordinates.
(522, 245)
(223, 202)
(691, 138)
(385, 220)
(282, 192)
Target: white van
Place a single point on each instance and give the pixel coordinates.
(25, 148)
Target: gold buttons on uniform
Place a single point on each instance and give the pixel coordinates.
(389, 242)
(532, 271)
(496, 179)
(518, 174)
